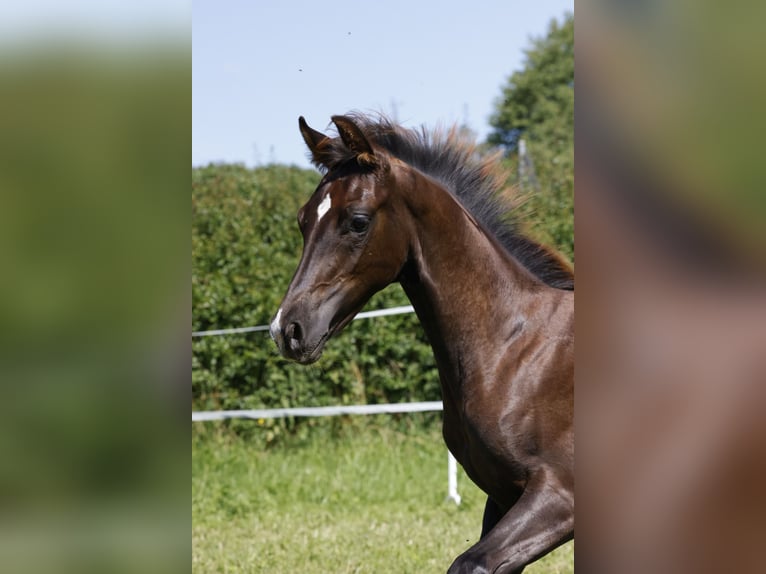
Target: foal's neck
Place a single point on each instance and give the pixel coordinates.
(469, 292)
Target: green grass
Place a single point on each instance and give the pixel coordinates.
(369, 501)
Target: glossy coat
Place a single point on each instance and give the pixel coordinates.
(497, 308)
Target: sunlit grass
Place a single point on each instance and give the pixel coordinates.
(372, 501)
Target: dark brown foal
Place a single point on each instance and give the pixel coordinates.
(498, 309)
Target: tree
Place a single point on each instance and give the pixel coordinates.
(537, 105)
(538, 101)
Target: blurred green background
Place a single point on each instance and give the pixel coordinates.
(94, 301)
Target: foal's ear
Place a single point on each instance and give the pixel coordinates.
(355, 140)
(312, 138)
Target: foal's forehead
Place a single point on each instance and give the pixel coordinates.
(345, 189)
(337, 193)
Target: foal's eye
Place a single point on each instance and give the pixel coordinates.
(359, 223)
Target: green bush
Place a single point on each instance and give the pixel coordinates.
(548, 208)
(245, 248)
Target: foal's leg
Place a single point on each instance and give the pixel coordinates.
(541, 520)
(492, 515)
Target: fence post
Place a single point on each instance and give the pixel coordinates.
(452, 493)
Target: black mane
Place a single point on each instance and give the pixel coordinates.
(476, 183)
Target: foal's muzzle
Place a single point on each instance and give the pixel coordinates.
(295, 340)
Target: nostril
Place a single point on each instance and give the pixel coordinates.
(293, 332)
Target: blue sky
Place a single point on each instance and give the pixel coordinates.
(259, 65)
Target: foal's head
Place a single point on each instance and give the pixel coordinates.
(353, 242)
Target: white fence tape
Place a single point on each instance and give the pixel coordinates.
(318, 411)
(362, 315)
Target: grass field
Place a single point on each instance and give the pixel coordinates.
(371, 501)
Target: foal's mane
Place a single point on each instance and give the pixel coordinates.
(478, 184)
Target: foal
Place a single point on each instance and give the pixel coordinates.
(396, 205)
